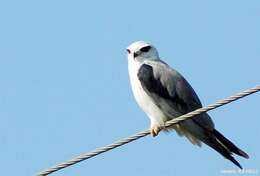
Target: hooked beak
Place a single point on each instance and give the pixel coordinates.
(129, 52)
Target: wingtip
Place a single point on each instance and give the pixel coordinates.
(232, 147)
(244, 154)
(232, 159)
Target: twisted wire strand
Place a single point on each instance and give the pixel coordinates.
(146, 132)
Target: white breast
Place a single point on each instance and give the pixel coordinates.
(144, 101)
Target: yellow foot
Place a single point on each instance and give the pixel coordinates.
(154, 130)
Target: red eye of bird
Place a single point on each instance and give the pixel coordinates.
(128, 51)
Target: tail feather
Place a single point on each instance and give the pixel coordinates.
(230, 146)
(223, 150)
(215, 140)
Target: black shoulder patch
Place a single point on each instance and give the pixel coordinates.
(150, 83)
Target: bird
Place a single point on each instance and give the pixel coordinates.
(164, 94)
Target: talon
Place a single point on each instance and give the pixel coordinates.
(154, 130)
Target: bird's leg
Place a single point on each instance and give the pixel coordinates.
(154, 130)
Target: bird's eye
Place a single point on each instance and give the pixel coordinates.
(145, 49)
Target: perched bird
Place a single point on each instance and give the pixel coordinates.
(164, 94)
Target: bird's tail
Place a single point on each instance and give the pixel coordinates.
(232, 147)
(225, 147)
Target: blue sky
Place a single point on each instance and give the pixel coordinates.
(64, 87)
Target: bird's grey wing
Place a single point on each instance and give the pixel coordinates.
(171, 92)
(174, 96)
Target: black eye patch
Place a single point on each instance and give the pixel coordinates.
(145, 49)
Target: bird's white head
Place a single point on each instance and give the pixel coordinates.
(141, 51)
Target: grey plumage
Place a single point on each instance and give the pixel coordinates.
(164, 94)
(174, 96)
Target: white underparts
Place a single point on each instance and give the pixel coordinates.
(156, 116)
